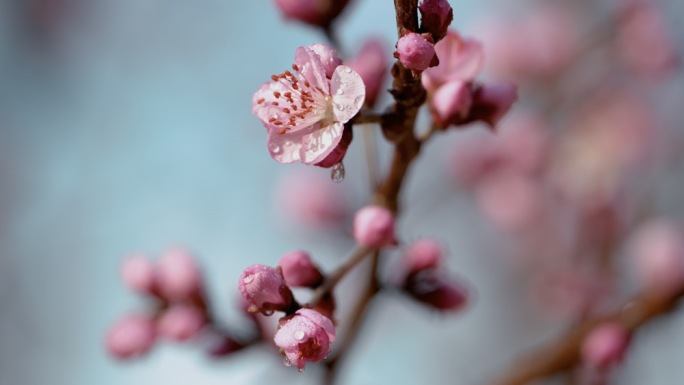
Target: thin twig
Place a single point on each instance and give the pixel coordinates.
(337, 275)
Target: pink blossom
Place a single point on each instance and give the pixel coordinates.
(138, 273)
(511, 201)
(459, 60)
(299, 270)
(305, 337)
(264, 289)
(315, 12)
(606, 345)
(374, 227)
(435, 17)
(181, 322)
(372, 64)
(415, 52)
(309, 198)
(179, 276)
(304, 110)
(658, 256)
(131, 336)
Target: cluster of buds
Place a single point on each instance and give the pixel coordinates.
(174, 283)
(304, 334)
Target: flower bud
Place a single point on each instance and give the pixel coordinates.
(315, 12)
(416, 53)
(372, 65)
(492, 101)
(606, 345)
(131, 336)
(374, 227)
(423, 254)
(299, 271)
(658, 254)
(264, 289)
(435, 17)
(432, 288)
(181, 322)
(305, 337)
(138, 273)
(451, 103)
(179, 275)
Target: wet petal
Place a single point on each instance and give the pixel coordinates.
(348, 93)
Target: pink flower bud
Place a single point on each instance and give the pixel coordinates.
(138, 273)
(264, 289)
(416, 53)
(423, 254)
(374, 227)
(299, 271)
(451, 103)
(606, 345)
(658, 251)
(181, 322)
(492, 101)
(315, 12)
(179, 275)
(305, 337)
(131, 336)
(308, 198)
(372, 64)
(435, 17)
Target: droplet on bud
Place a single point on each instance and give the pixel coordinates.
(337, 173)
(299, 335)
(248, 279)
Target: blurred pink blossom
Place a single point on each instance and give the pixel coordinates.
(606, 345)
(372, 64)
(181, 322)
(139, 274)
(657, 248)
(435, 17)
(315, 12)
(299, 270)
(179, 276)
(131, 336)
(311, 199)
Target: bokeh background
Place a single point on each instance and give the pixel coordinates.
(126, 126)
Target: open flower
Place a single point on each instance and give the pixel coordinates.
(306, 337)
(304, 110)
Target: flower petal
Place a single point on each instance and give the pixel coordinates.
(285, 148)
(316, 145)
(348, 93)
(328, 57)
(311, 67)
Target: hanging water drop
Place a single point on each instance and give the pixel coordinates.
(287, 361)
(337, 173)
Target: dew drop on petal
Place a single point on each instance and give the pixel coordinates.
(287, 361)
(248, 279)
(348, 70)
(267, 312)
(339, 106)
(299, 335)
(337, 173)
(339, 91)
(275, 148)
(358, 100)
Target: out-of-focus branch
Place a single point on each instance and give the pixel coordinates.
(564, 353)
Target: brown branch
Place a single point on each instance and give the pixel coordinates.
(333, 278)
(564, 354)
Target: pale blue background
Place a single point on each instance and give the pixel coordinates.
(128, 127)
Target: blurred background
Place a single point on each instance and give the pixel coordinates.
(126, 126)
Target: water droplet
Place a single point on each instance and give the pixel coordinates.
(339, 106)
(287, 361)
(299, 335)
(275, 148)
(248, 279)
(358, 100)
(337, 173)
(267, 312)
(300, 370)
(339, 91)
(348, 70)
(275, 116)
